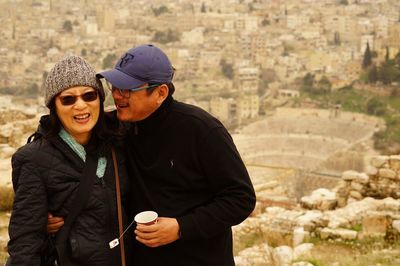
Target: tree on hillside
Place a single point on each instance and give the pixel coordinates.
(375, 107)
(387, 54)
(389, 73)
(160, 10)
(324, 85)
(67, 26)
(397, 59)
(308, 82)
(262, 87)
(109, 61)
(250, 7)
(265, 22)
(227, 69)
(373, 74)
(336, 38)
(7, 90)
(203, 8)
(367, 61)
(31, 90)
(166, 37)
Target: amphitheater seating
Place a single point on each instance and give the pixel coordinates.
(301, 141)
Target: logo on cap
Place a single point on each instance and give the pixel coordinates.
(125, 59)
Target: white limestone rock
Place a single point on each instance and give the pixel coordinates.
(379, 161)
(299, 236)
(302, 263)
(303, 251)
(338, 233)
(394, 162)
(371, 170)
(390, 204)
(349, 175)
(362, 178)
(260, 255)
(321, 199)
(282, 255)
(310, 219)
(387, 173)
(396, 225)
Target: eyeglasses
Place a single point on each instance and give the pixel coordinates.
(126, 92)
(89, 96)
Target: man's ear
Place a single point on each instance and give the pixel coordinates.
(162, 92)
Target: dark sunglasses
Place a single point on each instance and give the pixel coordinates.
(89, 96)
(125, 93)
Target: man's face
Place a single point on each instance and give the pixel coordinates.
(138, 106)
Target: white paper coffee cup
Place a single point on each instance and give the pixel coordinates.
(146, 217)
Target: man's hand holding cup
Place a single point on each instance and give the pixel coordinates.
(154, 231)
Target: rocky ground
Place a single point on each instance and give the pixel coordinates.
(4, 218)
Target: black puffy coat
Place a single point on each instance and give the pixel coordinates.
(45, 175)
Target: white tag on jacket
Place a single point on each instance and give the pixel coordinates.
(114, 243)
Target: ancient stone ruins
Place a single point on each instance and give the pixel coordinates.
(361, 206)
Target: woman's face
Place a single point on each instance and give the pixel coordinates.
(78, 109)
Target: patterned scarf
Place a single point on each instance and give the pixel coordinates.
(80, 151)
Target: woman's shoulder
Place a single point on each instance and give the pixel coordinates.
(35, 151)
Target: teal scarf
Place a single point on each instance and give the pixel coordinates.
(80, 151)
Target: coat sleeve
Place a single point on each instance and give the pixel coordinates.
(233, 193)
(28, 220)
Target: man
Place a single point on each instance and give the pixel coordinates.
(182, 164)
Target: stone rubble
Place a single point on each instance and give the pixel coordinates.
(363, 205)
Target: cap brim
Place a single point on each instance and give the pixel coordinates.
(120, 79)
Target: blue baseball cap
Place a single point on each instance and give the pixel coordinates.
(140, 65)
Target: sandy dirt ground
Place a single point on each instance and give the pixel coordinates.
(5, 172)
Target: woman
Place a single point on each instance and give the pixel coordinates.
(48, 171)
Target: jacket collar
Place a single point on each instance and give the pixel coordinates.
(153, 122)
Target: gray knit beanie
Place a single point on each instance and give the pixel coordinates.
(71, 71)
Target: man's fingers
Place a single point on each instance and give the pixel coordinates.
(56, 225)
(147, 228)
(149, 242)
(54, 220)
(146, 235)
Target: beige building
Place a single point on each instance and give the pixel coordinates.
(210, 58)
(297, 20)
(285, 93)
(353, 69)
(193, 37)
(105, 17)
(381, 25)
(394, 36)
(247, 79)
(222, 109)
(319, 61)
(247, 106)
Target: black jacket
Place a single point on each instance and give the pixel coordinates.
(46, 174)
(188, 168)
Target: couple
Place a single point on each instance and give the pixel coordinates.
(173, 158)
